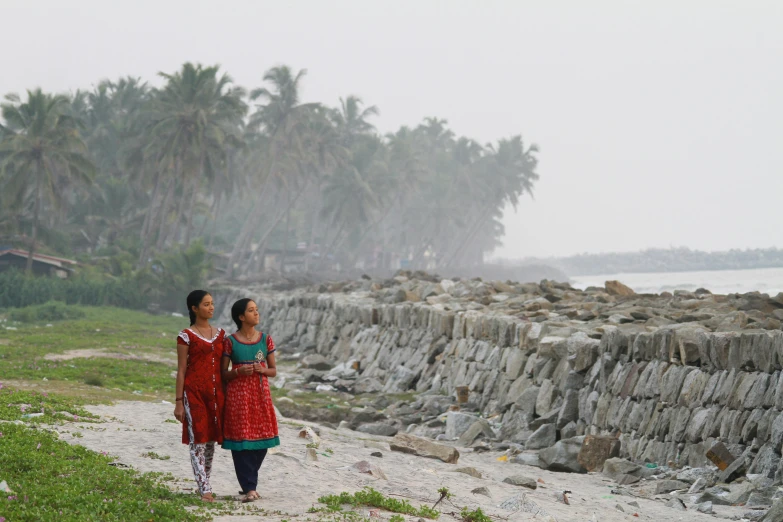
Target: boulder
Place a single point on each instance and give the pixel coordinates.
(423, 448)
(527, 459)
(775, 514)
(378, 428)
(367, 385)
(457, 423)
(522, 481)
(543, 437)
(618, 289)
(596, 450)
(615, 468)
(473, 472)
(667, 486)
(481, 491)
(315, 362)
(563, 456)
(479, 428)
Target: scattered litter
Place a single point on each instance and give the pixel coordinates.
(308, 433)
(651, 465)
(311, 455)
(325, 388)
(562, 497)
(503, 458)
(4, 487)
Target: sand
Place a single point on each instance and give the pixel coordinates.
(289, 485)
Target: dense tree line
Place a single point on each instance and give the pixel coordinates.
(126, 172)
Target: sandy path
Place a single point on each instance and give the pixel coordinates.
(88, 353)
(290, 486)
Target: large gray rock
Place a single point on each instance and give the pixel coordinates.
(563, 456)
(367, 385)
(546, 397)
(423, 448)
(479, 428)
(775, 514)
(615, 468)
(543, 437)
(519, 480)
(315, 362)
(378, 428)
(458, 423)
(569, 410)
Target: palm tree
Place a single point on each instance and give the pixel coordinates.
(351, 119)
(41, 145)
(197, 115)
(285, 122)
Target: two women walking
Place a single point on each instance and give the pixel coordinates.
(223, 394)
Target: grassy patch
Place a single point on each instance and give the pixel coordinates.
(474, 516)
(120, 333)
(372, 498)
(52, 480)
(28, 405)
(153, 455)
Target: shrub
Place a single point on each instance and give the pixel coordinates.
(51, 311)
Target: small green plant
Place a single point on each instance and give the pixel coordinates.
(153, 455)
(474, 516)
(370, 497)
(313, 445)
(172, 421)
(330, 451)
(397, 518)
(93, 380)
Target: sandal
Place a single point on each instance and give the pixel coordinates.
(251, 497)
(208, 497)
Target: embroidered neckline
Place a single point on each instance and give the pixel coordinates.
(234, 335)
(203, 338)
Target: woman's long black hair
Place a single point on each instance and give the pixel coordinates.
(194, 299)
(238, 309)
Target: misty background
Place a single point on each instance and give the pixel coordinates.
(658, 123)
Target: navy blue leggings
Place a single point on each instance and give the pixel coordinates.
(246, 465)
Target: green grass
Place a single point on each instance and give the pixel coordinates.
(372, 498)
(129, 333)
(52, 480)
(21, 404)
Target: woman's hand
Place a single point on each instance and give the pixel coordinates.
(246, 370)
(259, 368)
(179, 411)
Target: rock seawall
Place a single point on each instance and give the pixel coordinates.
(668, 392)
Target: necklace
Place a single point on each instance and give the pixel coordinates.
(249, 339)
(202, 333)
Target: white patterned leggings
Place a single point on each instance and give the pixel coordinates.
(200, 455)
(201, 458)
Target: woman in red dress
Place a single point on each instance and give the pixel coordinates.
(199, 400)
(249, 423)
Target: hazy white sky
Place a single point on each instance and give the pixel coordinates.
(660, 123)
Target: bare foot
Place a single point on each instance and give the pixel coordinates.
(208, 497)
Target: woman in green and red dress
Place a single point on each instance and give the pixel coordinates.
(249, 422)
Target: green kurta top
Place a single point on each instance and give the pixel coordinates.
(249, 420)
